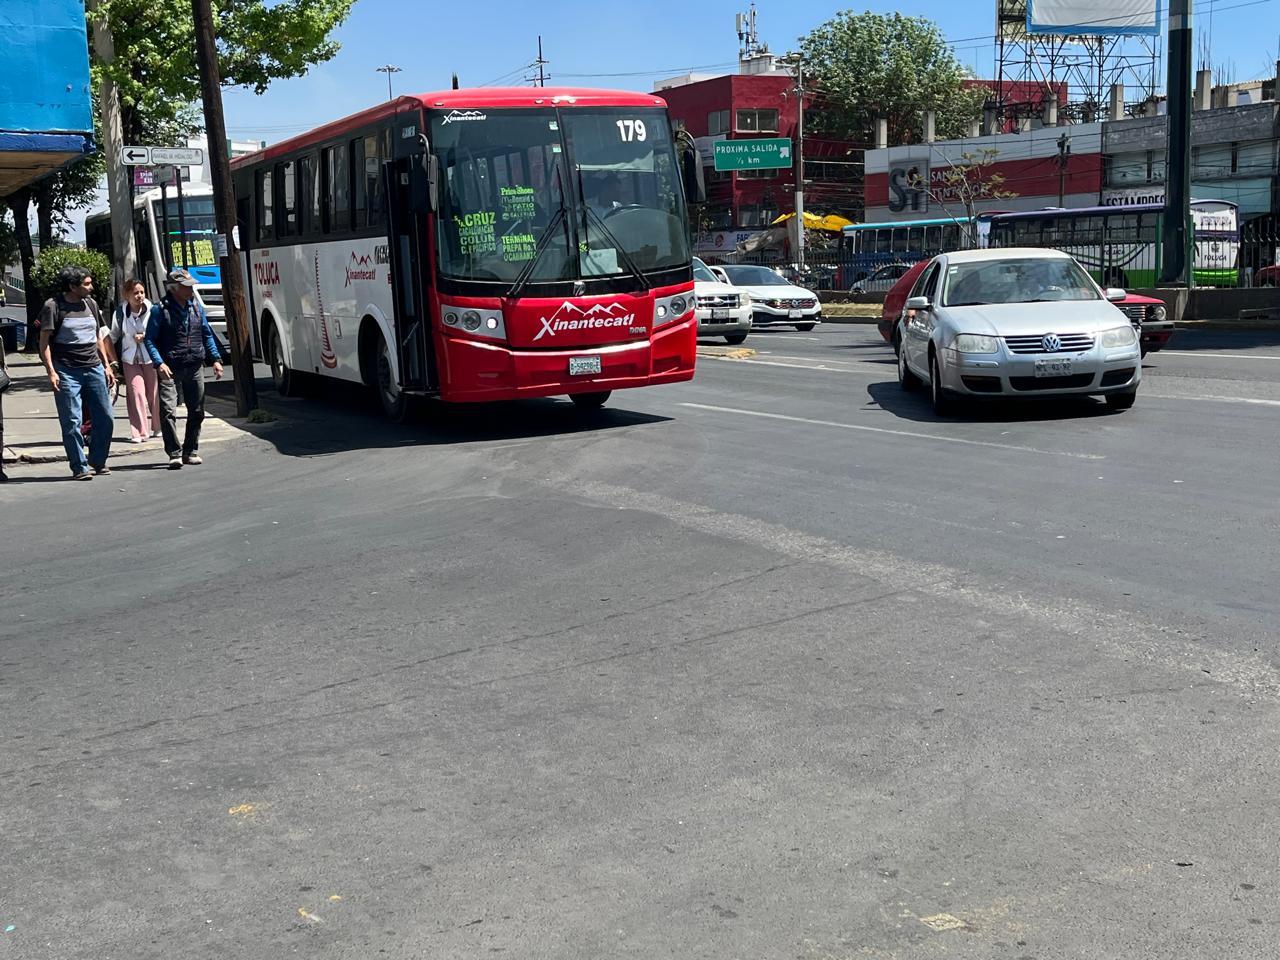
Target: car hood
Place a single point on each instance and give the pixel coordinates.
(705, 288)
(778, 293)
(1028, 319)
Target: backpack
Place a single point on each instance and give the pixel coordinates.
(59, 315)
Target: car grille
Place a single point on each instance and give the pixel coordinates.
(1135, 314)
(802, 304)
(729, 300)
(1070, 343)
(1051, 383)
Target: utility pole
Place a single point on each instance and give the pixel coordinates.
(388, 69)
(118, 191)
(224, 208)
(1177, 193)
(799, 162)
(540, 63)
(1064, 154)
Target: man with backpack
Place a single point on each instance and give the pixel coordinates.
(79, 367)
(180, 340)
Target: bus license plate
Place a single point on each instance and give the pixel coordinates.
(719, 314)
(583, 366)
(1053, 368)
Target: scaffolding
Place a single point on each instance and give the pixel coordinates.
(1077, 71)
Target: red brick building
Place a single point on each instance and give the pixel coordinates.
(750, 105)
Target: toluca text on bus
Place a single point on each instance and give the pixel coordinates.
(171, 232)
(476, 245)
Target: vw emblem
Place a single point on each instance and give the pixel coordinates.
(1051, 343)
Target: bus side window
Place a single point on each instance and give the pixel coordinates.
(950, 238)
(372, 173)
(338, 182)
(308, 221)
(266, 206)
(359, 210)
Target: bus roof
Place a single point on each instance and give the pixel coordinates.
(942, 221)
(492, 98)
(194, 188)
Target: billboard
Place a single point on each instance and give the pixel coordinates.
(1094, 18)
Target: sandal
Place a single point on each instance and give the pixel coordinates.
(102, 471)
(82, 476)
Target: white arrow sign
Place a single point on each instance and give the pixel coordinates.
(135, 156)
(177, 155)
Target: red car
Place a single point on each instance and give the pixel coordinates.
(1146, 313)
(1268, 276)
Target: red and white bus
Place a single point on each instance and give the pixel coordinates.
(476, 245)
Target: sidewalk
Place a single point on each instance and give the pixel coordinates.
(33, 435)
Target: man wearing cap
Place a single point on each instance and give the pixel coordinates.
(180, 340)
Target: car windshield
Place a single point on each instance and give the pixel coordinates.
(748, 276)
(1016, 280)
(700, 272)
(513, 178)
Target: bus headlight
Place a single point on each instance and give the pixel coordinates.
(678, 306)
(471, 320)
(1119, 336)
(451, 318)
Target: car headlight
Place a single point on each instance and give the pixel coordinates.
(1158, 313)
(976, 343)
(1119, 336)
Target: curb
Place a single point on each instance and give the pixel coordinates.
(863, 321)
(1251, 324)
(127, 450)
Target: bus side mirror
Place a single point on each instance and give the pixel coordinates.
(695, 187)
(429, 164)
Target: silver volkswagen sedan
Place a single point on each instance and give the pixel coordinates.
(1016, 322)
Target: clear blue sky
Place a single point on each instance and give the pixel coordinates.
(586, 41)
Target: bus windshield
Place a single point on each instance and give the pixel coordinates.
(198, 217)
(598, 189)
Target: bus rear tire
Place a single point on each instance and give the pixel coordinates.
(590, 401)
(394, 403)
(282, 375)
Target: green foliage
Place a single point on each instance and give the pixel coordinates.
(258, 41)
(8, 239)
(968, 180)
(44, 275)
(871, 65)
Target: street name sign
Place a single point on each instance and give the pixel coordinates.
(135, 156)
(769, 154)
(177, 156)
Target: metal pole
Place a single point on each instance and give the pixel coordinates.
(224, 206)
(800, 165)
(388, 69)
(1175, 237)
(166, 252)
(182, 222)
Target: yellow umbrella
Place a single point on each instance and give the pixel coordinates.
(812, 221)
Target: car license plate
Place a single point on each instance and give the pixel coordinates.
(795, 314)
(1053, 368)
(719, 314)
(583, 366)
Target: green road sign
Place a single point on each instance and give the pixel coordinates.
(772, 154)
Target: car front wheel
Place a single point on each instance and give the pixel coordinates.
(1121, 401)
(943, 402)
(804, 327)
(733, 339)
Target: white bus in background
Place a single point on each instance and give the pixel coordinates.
(162, 245)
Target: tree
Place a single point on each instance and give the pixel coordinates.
(965, 184)
(44, 275)
(871, 65)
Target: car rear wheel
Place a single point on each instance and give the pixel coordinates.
(906, 378)
(1121, 401)
(944, 403)
(735, 338)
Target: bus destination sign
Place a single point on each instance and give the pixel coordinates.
(769, 154)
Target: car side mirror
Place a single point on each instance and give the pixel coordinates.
(919, 303)
(1116, 294)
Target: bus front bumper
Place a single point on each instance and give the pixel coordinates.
(475, 372)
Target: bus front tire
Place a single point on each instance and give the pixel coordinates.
(394, 403)
(282, 375)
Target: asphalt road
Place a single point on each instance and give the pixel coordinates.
(772, 664)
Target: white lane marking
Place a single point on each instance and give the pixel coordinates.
(896, 433)
(1166, 396)
(785, 336)
(1224, 356)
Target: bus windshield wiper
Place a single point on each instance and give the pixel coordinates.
(544, 238)
(629, 263)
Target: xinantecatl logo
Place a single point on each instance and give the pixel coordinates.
(455, 116)
(570, 316)
(360, 268)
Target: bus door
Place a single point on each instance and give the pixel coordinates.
(407, 249)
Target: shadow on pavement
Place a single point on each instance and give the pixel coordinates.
(1220, 340)
(335, 417)
(891, 398)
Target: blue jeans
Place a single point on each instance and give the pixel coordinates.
(84, 388)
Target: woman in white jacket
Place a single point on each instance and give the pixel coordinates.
(129, 328)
